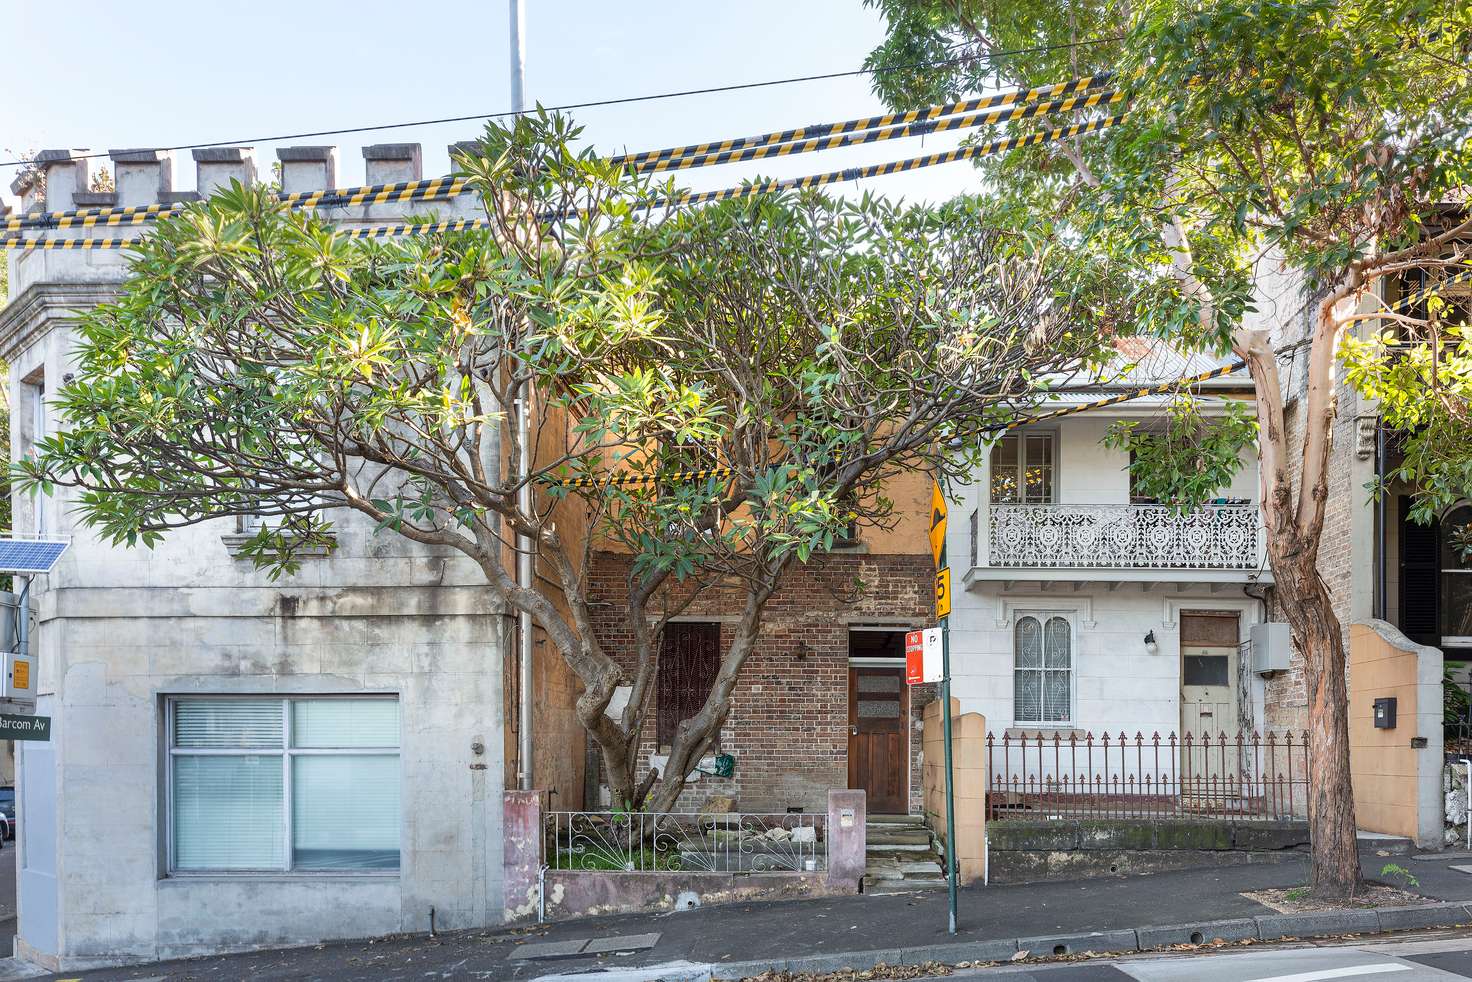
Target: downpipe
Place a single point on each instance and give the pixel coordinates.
(542, 894)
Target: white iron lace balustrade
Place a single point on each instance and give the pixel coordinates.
(659, 842)
(1124, 536)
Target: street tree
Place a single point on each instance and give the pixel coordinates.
(793, 351)
(1317, 139)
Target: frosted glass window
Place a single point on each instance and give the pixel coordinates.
(345, 812)
(243, 797)
(228, 812)
(328, 723)
(1042, 686)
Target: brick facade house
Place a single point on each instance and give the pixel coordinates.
(829, 661)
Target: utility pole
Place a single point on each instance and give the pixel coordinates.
(525, 572)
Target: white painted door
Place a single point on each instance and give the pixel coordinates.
(1209, 691)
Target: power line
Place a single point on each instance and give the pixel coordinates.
(678, 94)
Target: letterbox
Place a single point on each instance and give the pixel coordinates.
(1385, 713)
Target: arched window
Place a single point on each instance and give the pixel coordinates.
(1043, 673)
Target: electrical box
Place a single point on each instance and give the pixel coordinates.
(1385, 713)
(19, 683)
(1272, 648)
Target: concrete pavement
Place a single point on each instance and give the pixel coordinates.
(820, 935)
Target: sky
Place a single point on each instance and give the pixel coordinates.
(162, 73)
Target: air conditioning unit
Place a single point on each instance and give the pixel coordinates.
(1272, 647)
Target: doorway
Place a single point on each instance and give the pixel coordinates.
(879, 721)
(1209, 652)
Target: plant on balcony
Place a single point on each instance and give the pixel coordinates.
(1191, 457)
(1293, 152)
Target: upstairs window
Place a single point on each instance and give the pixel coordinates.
(1024, 469)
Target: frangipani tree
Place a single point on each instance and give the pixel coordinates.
(794, 349)
(1315, 137)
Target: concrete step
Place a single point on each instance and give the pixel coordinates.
(896, 819)
(917, 837)
(1393, 845)
(920, 868)
(902, 886)
(902, 847)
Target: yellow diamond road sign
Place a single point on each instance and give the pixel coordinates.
(937, 523)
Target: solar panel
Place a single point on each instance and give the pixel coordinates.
(29, 555)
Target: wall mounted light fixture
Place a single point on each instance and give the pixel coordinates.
(1151, 645)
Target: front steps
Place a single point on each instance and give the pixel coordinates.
(902, 855)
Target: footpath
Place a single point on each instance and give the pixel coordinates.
(1114, 914)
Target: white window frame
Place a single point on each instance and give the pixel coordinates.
(286, 752)
(1042, 615)
(1055, 464)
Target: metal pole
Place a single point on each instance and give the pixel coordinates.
(524, 570)
(945, 694)
(518, 55)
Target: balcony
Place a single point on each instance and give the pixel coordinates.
(1220, 541)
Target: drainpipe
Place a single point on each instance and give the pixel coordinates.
(1381, 601)
(524, 572)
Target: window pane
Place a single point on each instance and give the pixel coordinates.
(1206, 670)
(1004, 470)
(1056, 647)
(1027, 696)
(330, 723)
(1040, 449)
(345, 812)
(227, 724)
(228, 812)
(1029, 643)
(1055, 697)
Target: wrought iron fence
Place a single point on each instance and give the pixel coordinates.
(650, 842)
(1123, 536)
(1050, 776)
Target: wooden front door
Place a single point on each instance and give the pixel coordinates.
(878, 728)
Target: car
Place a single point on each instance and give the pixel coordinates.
(7, 810)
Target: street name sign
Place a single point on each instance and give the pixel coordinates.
(18, 727)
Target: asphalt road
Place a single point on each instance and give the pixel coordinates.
(1446, 959)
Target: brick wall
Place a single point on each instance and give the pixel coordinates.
(788, 725)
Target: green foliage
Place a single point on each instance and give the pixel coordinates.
(1189, 459)
(1424, 392)
(1315, 135)
(1400, 873)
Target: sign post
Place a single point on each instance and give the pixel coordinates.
(938, 513)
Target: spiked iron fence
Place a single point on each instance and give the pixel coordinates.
(1051, 776)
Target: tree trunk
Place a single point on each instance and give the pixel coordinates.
(1335, 869)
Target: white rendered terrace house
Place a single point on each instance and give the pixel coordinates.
(1082, 610)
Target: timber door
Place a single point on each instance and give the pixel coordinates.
(878, 741)
(1209, 764)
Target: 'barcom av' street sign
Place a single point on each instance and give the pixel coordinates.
(18, 727)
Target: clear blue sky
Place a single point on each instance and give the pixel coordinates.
(119, 74)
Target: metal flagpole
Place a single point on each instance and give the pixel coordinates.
(524, 570)
(945, 694)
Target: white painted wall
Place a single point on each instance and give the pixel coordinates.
(120, 629)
